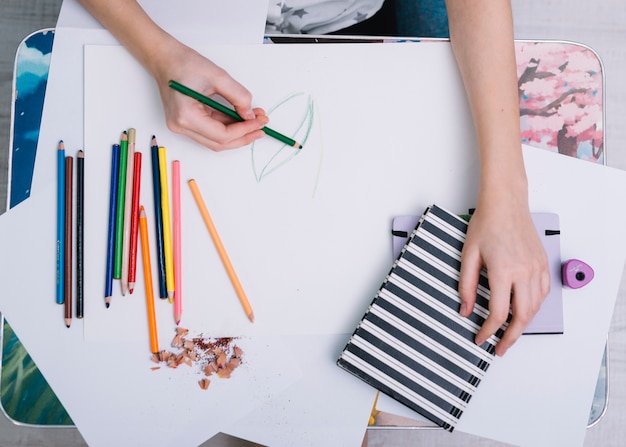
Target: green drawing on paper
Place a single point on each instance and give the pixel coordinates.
(266, 160)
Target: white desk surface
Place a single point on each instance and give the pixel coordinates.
(543, 194)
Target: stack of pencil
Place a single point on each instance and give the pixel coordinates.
(65, 235)
(128, 220)
(168, 236)
(126, 215)
(123, 224)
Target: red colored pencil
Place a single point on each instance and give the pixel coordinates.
(134, 224)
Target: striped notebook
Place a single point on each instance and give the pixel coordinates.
(412, 344)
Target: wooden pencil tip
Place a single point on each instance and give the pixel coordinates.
(61, 145)
(81, 154)
(68, 322)
(177, 322)
(251, 317)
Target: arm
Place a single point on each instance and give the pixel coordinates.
(501, 235)
(165, 58)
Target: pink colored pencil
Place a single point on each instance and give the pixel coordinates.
(178, 295)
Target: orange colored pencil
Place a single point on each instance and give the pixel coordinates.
(147, 273)
(221, 250)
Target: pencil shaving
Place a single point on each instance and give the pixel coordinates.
(212, 356)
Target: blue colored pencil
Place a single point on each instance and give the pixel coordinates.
(156, 182)
(60, 296)
(115, 167)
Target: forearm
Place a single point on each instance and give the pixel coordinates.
(481, 32)
(128, 22)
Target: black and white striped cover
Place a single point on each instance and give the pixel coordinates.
(412, 344)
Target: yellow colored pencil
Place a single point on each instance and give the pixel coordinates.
(147, 274)
(167, 226)
(221, 250)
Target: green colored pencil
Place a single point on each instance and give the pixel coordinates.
(229, 112)
(119, 225)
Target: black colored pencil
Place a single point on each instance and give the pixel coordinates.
(80, 231)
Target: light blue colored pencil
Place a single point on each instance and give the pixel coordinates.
(60, 297)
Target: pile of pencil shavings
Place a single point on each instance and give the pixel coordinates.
(212, 355)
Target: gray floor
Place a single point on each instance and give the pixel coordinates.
(600, 24)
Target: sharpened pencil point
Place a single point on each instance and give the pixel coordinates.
(251, 317)
(68, 322)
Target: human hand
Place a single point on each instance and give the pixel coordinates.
(501, 237)
(188, 117)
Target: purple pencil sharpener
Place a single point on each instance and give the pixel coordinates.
(576, 273)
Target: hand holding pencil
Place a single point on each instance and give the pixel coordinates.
(202, 124)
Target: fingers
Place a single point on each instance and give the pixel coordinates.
(525, 302)
(522, 298)
(499, 306)
(468, 280)
(213, 129)
(236, 94)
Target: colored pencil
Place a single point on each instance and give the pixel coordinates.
(221, 250)
(60, 295)
(178, 283)
(134, 223)
(110, 261)
(121, 200)
(69, 191)
(147, 274)
(229, 112)
(167, 227)
(158, 217)
(128, 203)
(80, 232)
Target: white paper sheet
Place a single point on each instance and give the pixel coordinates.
(217, 21)
(326, 407)
(212, 21)
(298, 237)
(108, 388)
(310, 246)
